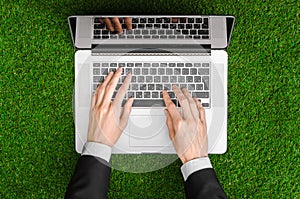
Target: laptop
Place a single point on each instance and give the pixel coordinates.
(160, 50)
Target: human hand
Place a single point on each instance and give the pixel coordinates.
(187, 130)
(106, 119)
(114, 24)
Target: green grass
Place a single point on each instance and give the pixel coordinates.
(37, 76)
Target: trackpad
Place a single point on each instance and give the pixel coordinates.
(148, 131)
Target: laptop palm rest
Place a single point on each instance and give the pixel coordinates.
(148, 131)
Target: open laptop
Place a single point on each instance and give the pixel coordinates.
(159, 51)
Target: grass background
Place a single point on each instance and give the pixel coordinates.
(37, 154)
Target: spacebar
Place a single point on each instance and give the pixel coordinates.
(149, 103)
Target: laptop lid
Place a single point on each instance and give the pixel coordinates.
(220, 27)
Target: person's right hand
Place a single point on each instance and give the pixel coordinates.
(114, 24)
(188, 129)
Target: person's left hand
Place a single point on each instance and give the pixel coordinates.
(107, 120)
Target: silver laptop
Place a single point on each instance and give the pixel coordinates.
(159, 51)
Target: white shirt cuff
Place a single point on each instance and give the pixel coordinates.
(195, 165)
(98, 150)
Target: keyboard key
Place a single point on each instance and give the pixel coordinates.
(203, 71)
(183, 85)
(153, 32)
(185, 32)
(173, 79)
(138, 95)
(157, 26)
(205, 37)
(96, 64)
(193, 71)
(145, 32)
(199, 87)
(205, 26)
(149, 79)
(135, 20)
(113, 65)
(200, 94)
(167, 20)
(141, 26)
(193, 32)
(180, 26)
(136, 71)
(156, 78)
(98, 79)
(205, 21)
(169, 32)
(189, 78)
(114, 94)
(130, 94)
(191, 20)
(147, 94)
(188, 26)
(104, 71)
(172, 26)
(97, 32)
(181, 79)
(141, 79)
(180, 64)
(197, 79)
(185, 71)
(143, 86)
(152, 71)
(118, 86)
(133, 78)
(161, 71)
(167, 87)
(205, 80)
(150, 86)
(98, 26)
(105, 32)
(196, 26)
(165, 26)
(182, 20)
(158, 87)
(188, 65)
(161, 32)
(177, 71)
(95, 86)
(197, 37)
(155, 64)
(198, 20)
(150, 20)
(129, 64)
(96, 71)
(172, 65)
(137, 32)
(134, 87)
(145, 71)
(202, 32)
(205, 65)
(191, 87)
(169, 71)
(143, 20)
(97, 20)
(205, 104)
(165, 78)
(147, 65)
(148, 103)
(128, 70)
(158, 20)
(197, 64)
(149, 25)
(154, 94)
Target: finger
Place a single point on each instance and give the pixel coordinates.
(122, 91)
(110, 88)
(126, 112)
(174, 20)
(93, 101)
(192, 103)
(170, 124)
(171, 107)
(101, 88)
(183, 102)
(201, 111)
(117, 24)
(128, 23)
(109, 25)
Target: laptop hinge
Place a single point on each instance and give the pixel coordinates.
(151, 49)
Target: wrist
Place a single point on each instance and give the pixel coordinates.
(185, 159)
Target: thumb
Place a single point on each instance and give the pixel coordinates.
(170, 124)
(126, 112)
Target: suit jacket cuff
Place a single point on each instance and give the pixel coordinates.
(98, 150)
(195, 165)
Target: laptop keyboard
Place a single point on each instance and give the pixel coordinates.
(157, 28)
(150, 78)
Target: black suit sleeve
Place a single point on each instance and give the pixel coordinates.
(90, 179)
(203, 184)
